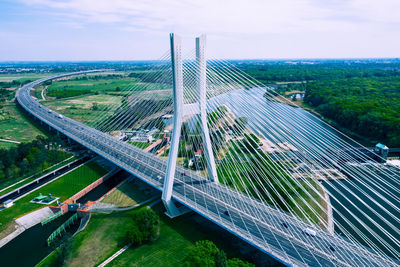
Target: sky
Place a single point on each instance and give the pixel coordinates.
(73, 30)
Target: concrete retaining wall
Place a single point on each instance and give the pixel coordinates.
(90, 187)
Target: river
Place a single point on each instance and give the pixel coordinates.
(30, 247)
(354, 201)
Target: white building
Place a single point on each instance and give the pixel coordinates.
(8, 203)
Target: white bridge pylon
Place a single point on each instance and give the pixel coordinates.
(181, 110)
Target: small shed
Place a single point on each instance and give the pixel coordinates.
(8, 203)
(382, 151)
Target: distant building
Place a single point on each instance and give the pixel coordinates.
(144, 136)
(198, 153)
(382, 151)
(167, 135)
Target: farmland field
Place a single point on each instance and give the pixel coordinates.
(96, 84)
(17, 126)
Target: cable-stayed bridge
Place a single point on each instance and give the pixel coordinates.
(255, 167)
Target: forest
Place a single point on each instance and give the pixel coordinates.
(317, 70)
(361, 95)
(30, 157)
(368, 106)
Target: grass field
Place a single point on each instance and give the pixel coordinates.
(91, 85)
(126, 195)
(18, 127)
(80, 107)
(141, 145)
(315, 208)
(64, 187)
(23, 77)
(168, 250)
(99, 84)
(105, 234)
(103, 85)
(14, 123)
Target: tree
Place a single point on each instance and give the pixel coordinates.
(206, 253)
(235, 262)
(27, 158)
(135, 236)
(250, 142)
(24, 166)
(203, 253)
(221, 259)
(146, 226)
(240, 124)
(185, 131)
(95, 106)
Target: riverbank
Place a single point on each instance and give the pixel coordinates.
(368, 142)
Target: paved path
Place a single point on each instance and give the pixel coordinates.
(116, 254)
(43, 98)
(10, 141)
(34, 217)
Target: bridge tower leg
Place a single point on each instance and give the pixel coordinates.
(177, 83)
(201, 84)
(180, 110)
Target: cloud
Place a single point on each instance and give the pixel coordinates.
(227, 16)
(236, 28)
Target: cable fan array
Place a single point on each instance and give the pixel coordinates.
(270, 156)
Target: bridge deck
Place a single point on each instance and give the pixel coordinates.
(251, 220)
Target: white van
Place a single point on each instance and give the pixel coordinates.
(310, 232)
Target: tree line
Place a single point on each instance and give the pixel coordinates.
(270, 72)
(206, 253)
(30, 157)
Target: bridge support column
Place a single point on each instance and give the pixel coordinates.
(177, 83)
(181, 110)
(202, 85)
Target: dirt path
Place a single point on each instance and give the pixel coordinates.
(10, 141)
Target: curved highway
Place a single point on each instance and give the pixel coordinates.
(272, 231)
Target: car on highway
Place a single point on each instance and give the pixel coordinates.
(227, 213)
(285, 225)
(310, 232)
(332, 248)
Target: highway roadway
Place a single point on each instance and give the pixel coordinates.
(273, 231)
